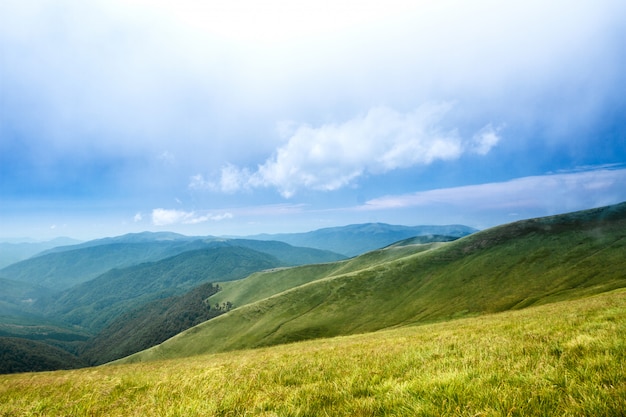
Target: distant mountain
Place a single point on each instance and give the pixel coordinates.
(63, 267)
(143, 237)
(94, 304)
(356, 239)
(61, 270)
(11, 252)
(508, 267)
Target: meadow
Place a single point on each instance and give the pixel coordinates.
(566, 358)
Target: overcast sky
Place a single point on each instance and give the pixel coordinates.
(239, 117)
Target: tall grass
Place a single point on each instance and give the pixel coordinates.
(566, 359)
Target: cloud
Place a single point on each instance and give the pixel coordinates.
(138, 217)
(547, 193)
(166, 217)
(335, 155)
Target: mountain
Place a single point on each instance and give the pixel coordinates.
(151, 324)
(63, 267)
(509, 267)
(95, 303)
(143, 237)
(17, 297)
(60, 270)
(560, 359)
(21, 355)
(356, 239)
(11, 252)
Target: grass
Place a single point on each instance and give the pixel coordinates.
(566, 359)
(510, 267)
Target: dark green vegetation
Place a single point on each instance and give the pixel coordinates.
(22, 355)
(509, 267)
(357, 239)
(66, 266)
(160, 298)
(561, 359)
(151, 324)
(93, 304)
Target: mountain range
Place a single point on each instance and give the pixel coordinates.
(356, 239)
(183, 296)
(509, 267)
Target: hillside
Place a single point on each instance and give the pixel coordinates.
(22, 355)
(94, 304)
(151, 324)
(61, 270)
(507, 267)
(561, 359)
(16, 297)
(356, 239)
(63, 267)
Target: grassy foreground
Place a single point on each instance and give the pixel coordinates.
(566, 359)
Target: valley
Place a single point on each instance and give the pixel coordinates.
(424, 325)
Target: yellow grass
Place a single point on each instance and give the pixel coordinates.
(565, 359)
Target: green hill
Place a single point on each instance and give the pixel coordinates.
(21, 355)
(507, 267)
(561, 359)
(63, 267)
(151, 324)
(94, 304)
(17, 297)
(61, 270)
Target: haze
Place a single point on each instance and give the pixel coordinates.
(233, 118)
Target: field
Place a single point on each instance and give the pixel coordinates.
(566, 358)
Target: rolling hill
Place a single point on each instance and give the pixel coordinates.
(61, 270)
(513, 266)
(151, 324)
(95, 303)
(356, 239)
(63, 267)
(560, 359)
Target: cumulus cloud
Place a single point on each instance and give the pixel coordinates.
(166, 217)
(332, 156)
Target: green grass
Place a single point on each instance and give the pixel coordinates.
(510, 267)
(268, 283)
(566, 359)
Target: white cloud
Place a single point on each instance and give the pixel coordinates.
(166, 217)
(485, 139)
(548, 193)
(138, 217)
(334, 155)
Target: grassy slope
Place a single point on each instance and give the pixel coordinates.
(565, 359)
(268, 283)
(507, 267)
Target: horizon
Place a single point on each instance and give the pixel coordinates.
(238, 119)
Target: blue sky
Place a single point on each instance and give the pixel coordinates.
(236, 117)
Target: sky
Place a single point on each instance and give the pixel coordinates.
(241, 117)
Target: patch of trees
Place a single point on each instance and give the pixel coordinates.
(22, 355)
(152, 324)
